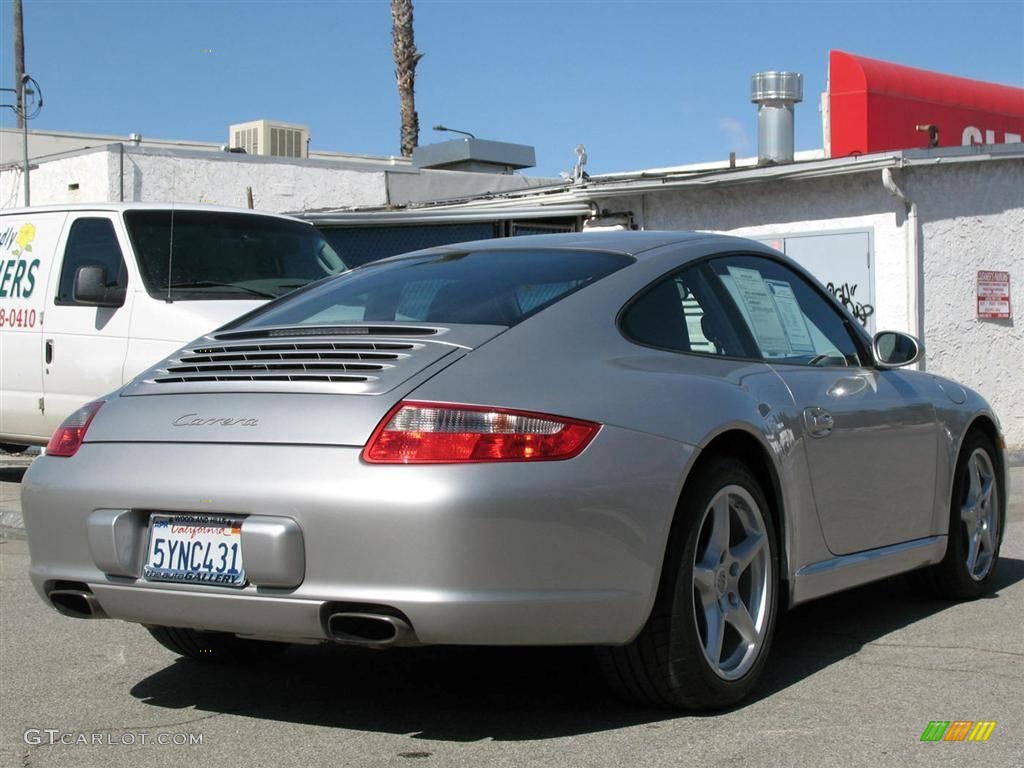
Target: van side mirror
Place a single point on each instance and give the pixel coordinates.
(91, 288)
(893, 349)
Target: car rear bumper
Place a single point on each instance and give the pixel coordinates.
(496, 554)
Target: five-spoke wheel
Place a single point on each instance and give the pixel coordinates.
(979, 514)
(732, 581)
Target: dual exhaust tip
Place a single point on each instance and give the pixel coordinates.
(370, 630)
(373, 630)
(76, 602)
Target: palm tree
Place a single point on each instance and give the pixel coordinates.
(403, 47)
(19, 60)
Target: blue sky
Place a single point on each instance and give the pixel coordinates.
(641, 84)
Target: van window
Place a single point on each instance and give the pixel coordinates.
(218, 255)
(91, 243)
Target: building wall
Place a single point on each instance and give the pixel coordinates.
(971, 218)
(276, 186)
(51, 181)
(151, 175)
(281, 185)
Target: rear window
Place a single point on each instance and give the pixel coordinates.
(481, 287)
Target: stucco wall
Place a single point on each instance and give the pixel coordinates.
(154, 176)
(972, 218)
(50, 182)
(276, 187)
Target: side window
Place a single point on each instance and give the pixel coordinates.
(682, 313)
(789, 321)
(91, 242)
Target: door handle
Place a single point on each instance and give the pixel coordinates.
(49, 351)
(818, 421)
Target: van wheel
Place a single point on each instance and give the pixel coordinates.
(709, 634)
(216, 647)
(11, 448)
(977, 514)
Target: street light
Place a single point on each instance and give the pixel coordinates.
(26, 91)
(453, 130)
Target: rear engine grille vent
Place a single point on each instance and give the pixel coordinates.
(341, 330)
(340, 361)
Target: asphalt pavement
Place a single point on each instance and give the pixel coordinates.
(854, 680)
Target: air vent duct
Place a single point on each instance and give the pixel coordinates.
(775, 94)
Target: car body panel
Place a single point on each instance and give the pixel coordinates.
(884, 434)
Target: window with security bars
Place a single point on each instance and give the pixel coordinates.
(361, 245)
(518, 228)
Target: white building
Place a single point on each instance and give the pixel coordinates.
(70, 167)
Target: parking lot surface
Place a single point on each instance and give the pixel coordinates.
(854, 680)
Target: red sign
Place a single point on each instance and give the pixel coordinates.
(875, 106)
(994, 295)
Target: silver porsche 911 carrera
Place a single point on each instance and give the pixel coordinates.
(647, 442)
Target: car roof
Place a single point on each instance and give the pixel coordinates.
(627, 242)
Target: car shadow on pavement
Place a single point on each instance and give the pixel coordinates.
(512, 694)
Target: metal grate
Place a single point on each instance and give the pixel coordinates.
(331, 361)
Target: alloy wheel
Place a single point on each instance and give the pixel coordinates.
(979, 514)
(732, 582)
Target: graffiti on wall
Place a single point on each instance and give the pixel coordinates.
(847, 296)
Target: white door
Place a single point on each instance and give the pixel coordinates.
(84, 346)
(28, 247)
(842, 261)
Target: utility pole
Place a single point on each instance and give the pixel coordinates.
(19, 62)
(403, 48)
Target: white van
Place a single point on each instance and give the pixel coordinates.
(91, 295)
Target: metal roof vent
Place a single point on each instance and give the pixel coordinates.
(472, 154)
(775, 93)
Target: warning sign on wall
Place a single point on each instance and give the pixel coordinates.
(994, 295)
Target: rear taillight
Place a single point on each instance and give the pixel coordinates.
(438, 433)
(71, 434)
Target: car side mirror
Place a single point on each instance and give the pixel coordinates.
(893, 349)
(91, 288)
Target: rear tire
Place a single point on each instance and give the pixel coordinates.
(14, 449)
(710, 631)
(977, 516)
(215, 647)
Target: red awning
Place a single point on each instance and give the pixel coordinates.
(876, 106)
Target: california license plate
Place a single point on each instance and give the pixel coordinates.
(197, 549)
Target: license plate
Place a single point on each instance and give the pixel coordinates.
(195, 549)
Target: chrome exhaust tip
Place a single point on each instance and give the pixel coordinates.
(76, 603)
(372, 630)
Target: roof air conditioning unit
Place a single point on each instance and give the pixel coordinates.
(270, 138)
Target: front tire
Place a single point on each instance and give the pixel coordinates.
(977, 515)
(709, 634)
(215, 647)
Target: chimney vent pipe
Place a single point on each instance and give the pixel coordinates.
(775, 94)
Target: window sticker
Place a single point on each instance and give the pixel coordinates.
(762, 312)
(793, 319)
